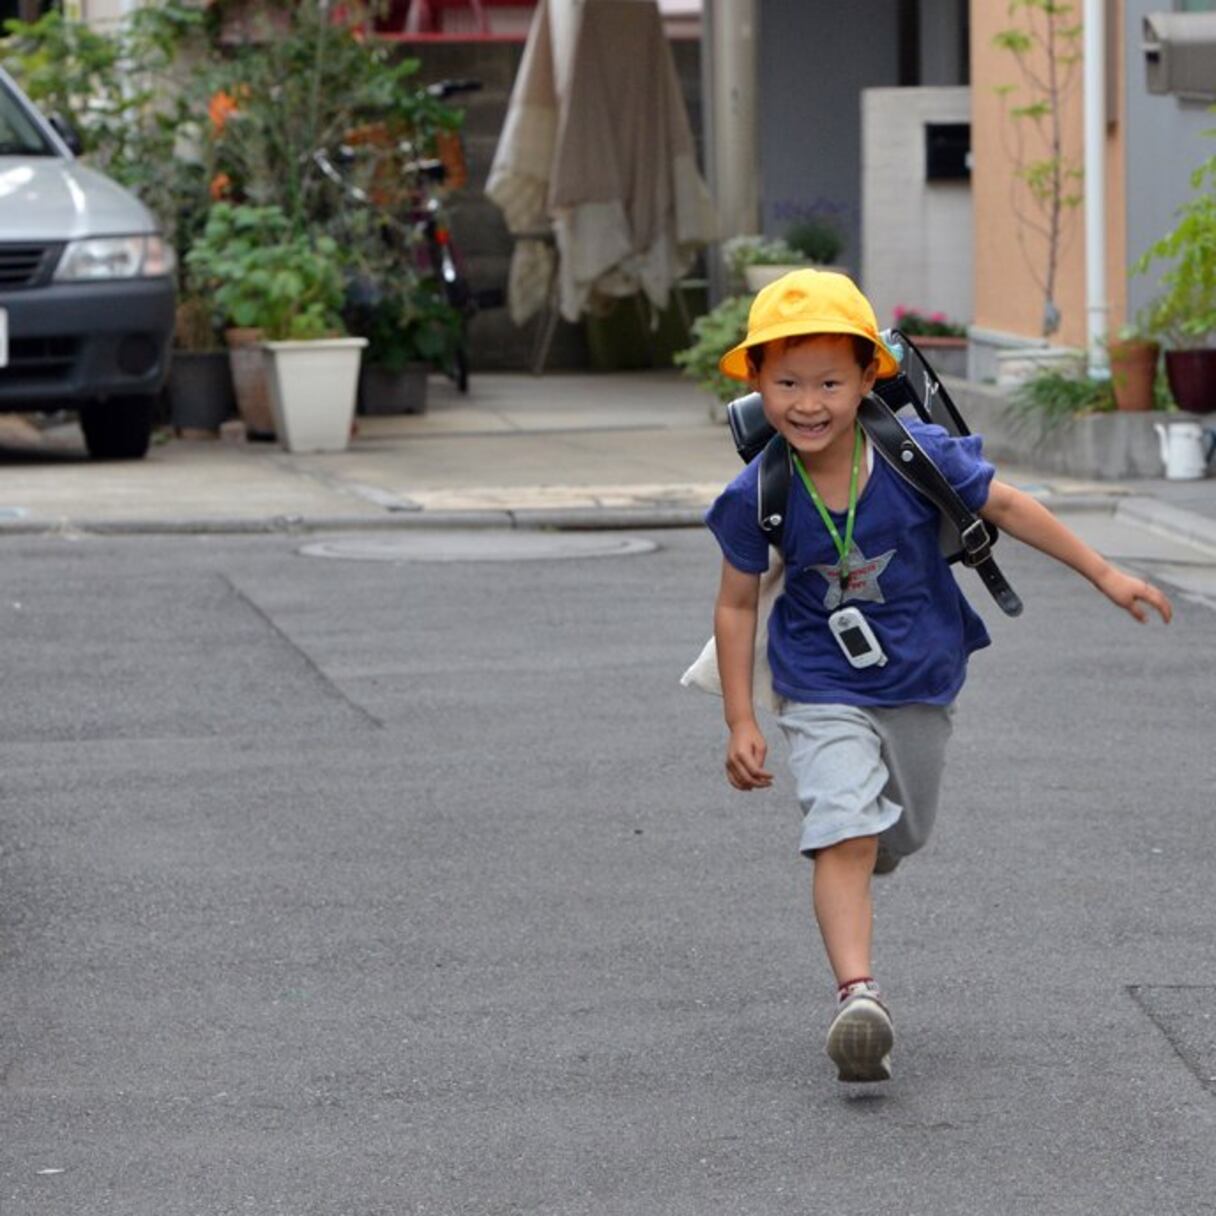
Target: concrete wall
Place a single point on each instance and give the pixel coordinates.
(916, 235)
(1100, 446)
(1164, 143)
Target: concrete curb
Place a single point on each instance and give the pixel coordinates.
(1171, 521)
(1140, 510)
(557, 519)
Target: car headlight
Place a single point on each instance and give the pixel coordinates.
(115, 257)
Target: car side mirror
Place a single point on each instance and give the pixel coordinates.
(68, 133)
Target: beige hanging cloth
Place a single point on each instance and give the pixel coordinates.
(597, 149)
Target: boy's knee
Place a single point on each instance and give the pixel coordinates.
(861, 850)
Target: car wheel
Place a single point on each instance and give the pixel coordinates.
(119, 428)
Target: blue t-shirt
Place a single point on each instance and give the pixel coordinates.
(898, 580)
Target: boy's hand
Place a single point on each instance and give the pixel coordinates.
(1132, 593)
(745, 754)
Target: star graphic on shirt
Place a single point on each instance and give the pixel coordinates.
(863, 578)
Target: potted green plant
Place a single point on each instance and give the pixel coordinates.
(410, 328)
(1184, 313)
(818, 240)
(713, 335)
(1133, 358)
(200, 388)
(943, 341)
(753, 261)
(265, 275)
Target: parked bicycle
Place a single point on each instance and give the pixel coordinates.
(407, 193)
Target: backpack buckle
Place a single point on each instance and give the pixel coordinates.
(976, 543)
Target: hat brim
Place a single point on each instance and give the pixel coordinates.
(734, 363)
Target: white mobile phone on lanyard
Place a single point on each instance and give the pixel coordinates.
(856, 639)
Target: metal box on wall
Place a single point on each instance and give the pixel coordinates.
(947, 151)
(1180, 54)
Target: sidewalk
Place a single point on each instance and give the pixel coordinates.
(607, 450)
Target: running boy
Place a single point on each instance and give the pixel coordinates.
(867, 725)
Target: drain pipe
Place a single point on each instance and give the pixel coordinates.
(1097, 310)
(729, 49)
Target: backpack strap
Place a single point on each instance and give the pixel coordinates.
(910, 461)
(773, 489)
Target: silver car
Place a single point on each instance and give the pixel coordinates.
(86, 288)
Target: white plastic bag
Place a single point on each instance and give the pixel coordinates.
(703, 673)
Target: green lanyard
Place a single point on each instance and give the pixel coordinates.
(843, 547)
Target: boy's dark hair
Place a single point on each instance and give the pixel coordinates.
(863, 349)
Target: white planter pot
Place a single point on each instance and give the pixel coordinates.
(757, 277)
(312, 392)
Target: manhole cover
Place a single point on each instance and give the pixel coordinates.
(483, 546)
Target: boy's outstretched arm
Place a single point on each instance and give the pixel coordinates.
(735, 640)
(1022, 516)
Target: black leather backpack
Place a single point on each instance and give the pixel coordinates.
(965, 536)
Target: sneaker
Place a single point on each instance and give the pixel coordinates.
(861, 1036)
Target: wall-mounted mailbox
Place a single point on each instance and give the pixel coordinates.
(1180, 54)
(947, 151)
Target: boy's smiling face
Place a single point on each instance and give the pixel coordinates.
(812, 388)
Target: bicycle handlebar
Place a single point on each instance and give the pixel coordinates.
(442, 89)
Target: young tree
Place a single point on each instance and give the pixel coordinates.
(1045, 43)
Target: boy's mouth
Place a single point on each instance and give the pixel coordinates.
(812, 430)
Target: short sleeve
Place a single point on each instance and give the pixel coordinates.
(960, 458)
(734, 519)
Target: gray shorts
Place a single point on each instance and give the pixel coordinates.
(867, 772)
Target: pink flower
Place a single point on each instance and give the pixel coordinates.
(938, 317)
(900, 312)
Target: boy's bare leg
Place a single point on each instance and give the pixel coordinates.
(860, 1037)
(841, 896)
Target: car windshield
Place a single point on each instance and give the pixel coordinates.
(19, 135)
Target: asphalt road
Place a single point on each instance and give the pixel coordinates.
(336, 888)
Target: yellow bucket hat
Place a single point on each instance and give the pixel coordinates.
(808, 302)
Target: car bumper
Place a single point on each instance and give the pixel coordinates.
(70, 343)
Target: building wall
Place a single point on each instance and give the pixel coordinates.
(916, 234)
(1165, 142)
(1007, 299)
(812, 68)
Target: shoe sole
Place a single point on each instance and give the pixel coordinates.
(860, 1042)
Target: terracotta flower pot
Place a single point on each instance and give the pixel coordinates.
(1133, 368)
(1192, 377)
(251, 381)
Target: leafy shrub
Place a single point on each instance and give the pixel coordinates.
(816, 238)
(715, 333)
(1052, 399)
(928, 325)
(740, 252)
(1185, 312)
(263, 275)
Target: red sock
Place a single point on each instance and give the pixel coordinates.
(861, 979)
